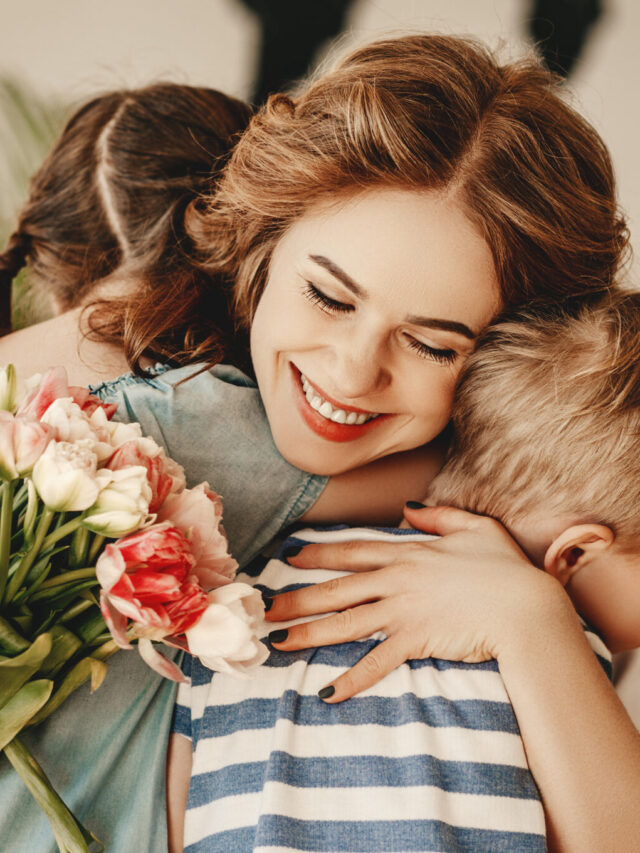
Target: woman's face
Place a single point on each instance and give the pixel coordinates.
(370, 308)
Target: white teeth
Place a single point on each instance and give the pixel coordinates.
(331, 413)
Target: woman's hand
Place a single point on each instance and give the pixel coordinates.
(461, 597)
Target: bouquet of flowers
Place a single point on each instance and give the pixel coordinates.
(101, 546)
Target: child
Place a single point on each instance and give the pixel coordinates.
(545, 410)
(431, 758)
(108, 205)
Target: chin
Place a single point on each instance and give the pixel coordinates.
(309, 463)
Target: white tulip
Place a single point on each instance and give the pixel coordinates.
(224, 638)
(71, 424)
(123, 504)
(66, 478)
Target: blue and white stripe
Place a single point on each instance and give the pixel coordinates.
(429, 759)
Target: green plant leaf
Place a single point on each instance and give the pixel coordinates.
(14, 672)
(64, 645)
(11, 641)
(71, 836)
(17, 712)
(86, 668)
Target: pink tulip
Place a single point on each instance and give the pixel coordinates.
(157, 548)
(147, 578)
(156, 463)
(22, 443)
(55, 385)
(88, 403)
(198, 513)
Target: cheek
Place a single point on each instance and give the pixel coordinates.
(430, 395)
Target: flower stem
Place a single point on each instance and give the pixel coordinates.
(29, 558)
(6, 517)
(62, 531)
(79, 547)
(76, 609)
(68, 577)
(69, 836)
(95, 547)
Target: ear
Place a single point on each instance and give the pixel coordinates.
(574, 548)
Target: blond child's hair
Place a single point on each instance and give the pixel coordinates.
(547, 417)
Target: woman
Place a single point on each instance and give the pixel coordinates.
(370, 229)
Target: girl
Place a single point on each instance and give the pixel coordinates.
(369, 230)
(105, 215)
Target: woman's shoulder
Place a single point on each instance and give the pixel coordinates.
(58, 341)
(194, 387)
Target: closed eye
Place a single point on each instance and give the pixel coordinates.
(442, 356)
(324, 302)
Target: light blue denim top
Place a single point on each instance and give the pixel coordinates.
(105, 753)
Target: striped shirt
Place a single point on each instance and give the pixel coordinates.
(428, 759)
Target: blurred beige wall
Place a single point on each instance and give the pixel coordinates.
(70, 48)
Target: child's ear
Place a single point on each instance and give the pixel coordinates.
(574, 548)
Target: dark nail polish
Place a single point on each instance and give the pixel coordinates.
(268, 602)
(293, 551)
(326, 692)
(415, 505)
(278, 636)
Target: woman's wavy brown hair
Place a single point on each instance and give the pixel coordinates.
(112, 194)
(426, 112)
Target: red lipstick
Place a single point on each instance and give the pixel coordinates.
(323, 427)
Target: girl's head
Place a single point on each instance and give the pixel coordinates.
(114, 189)
(445, 186)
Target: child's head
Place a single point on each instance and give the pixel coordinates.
(114, 189)
(547, 440)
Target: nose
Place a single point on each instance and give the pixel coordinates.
(359, 367)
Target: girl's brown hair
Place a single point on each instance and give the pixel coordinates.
(112, 195)
(434, 113)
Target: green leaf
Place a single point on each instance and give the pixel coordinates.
(60, 598)
(87, 668)
(64, 645)
(14, 672)
(17, 712)
(71, 836)
(11, 641)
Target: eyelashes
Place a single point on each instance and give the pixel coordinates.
(332, 306)
(443, 356)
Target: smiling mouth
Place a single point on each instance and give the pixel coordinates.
(326, 418)
(331, 412)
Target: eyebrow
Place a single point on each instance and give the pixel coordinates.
(414, 319)
(339, 273)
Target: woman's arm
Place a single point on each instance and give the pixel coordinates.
(473, 595)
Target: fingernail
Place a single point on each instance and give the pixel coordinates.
(278, 636)
(415, 505)
(293, 551)
(268, 602)
(326, 692)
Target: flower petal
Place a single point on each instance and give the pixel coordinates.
(159, 662)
